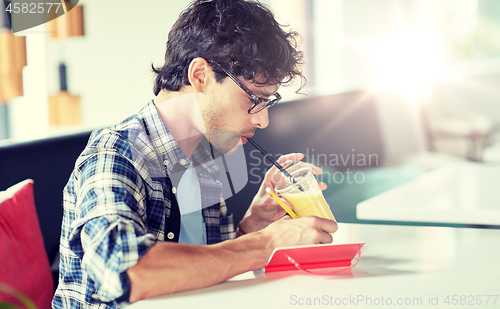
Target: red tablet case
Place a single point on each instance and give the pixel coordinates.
(313, 256)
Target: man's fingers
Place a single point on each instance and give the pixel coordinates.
(326, 225)
(326, 238)
(322, 185)
(296, 157)
(320, 229)
(285, 217)
(308, 230)
(292, 156)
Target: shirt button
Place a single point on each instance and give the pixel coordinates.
(170, 235)
(174, 190)
(166, 163)
(182, 161)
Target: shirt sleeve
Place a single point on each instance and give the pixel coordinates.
(109, 226)
(226, 223)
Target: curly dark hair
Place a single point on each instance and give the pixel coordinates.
(242, 36)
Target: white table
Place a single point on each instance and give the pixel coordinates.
(410, 264)
(459, 193)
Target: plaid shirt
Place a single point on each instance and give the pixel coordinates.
(115, 207)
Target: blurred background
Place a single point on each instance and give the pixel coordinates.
(416, 83)
(397, 89)
(436, 59)
(401, 107)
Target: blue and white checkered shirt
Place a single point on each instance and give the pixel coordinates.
(116, 204)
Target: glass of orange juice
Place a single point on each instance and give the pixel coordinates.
(304, 193)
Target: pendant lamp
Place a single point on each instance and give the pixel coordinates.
(64, 108)
(68, 25)
(12, 61)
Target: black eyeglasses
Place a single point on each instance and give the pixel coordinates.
(258, 104)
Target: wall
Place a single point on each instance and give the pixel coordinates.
(109, 67)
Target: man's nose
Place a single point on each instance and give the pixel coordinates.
(261, 119)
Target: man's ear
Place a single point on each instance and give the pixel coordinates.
(199, 72)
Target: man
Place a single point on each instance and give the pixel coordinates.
(143, 209)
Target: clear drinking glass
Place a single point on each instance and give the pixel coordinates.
(305, 195)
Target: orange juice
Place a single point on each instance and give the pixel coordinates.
(302, 191)
(309, 203)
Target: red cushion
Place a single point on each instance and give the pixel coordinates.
(24, 263)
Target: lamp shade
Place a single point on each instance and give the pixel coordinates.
(64, 108)
(12, 61)
(69, 24)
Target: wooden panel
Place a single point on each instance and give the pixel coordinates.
(12, 61)
(68, 25)
(5, 48)
(64, 109)
(19, 46)
(11, 84)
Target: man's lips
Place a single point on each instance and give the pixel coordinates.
(244, 139)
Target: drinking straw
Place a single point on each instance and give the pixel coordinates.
(270, 159)
(280, 202)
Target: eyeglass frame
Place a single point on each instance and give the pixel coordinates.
(253, 97)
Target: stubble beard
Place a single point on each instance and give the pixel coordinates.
(218, 134)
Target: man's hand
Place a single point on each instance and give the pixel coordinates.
(302, 231)
(264, 210)
(171, 267)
